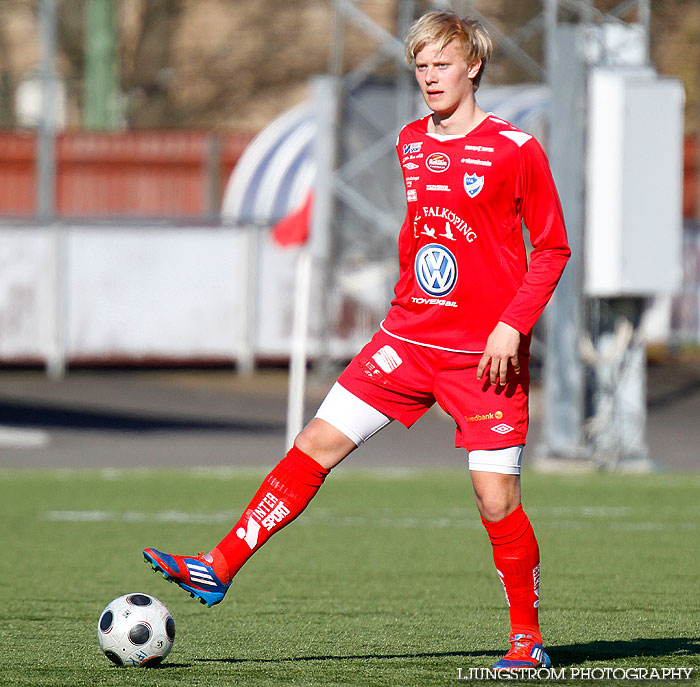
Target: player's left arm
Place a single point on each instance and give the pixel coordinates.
(501, 348)
(541, 210)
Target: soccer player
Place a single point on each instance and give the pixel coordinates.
(457, 332)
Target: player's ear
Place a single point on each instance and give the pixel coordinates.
(473, 69)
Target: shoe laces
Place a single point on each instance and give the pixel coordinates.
(207, 562)
(520, 646)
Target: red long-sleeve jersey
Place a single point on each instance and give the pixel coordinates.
(462, 258)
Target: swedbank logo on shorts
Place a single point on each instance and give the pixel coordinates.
(488, 416)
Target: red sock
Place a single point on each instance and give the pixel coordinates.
(517, 559)
(284, 494)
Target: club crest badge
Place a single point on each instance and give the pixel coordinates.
(473, 184)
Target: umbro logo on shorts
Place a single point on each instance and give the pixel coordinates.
(503, 428)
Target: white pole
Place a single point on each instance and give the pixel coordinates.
(58, 305)
(248, 275)
(46, 135)
(297, 365)
(55, 357)
(315, 252)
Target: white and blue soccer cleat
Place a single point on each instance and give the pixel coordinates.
(192, 573)
(524, 652)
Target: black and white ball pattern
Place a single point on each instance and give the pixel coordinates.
(136, 630)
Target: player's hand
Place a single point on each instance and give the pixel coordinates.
(501, 348)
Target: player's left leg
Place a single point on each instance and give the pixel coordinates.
(492, 425)
(515, 551)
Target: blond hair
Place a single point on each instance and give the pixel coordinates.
(442, 28)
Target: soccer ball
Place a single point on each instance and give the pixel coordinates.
(136, 630)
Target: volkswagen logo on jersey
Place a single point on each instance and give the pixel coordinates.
(436, 270)
(473, 184)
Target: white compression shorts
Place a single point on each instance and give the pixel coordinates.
(505, 461)
(359, 421)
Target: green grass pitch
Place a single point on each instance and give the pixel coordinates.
(387, 579)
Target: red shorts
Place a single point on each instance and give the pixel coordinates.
(403, 380)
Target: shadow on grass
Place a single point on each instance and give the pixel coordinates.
(562, 656)
(353, 657)
(572, 654)
(43, 415)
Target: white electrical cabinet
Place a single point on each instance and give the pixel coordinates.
(633, 220)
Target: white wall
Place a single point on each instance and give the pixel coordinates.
(137, 292)
(26, 288)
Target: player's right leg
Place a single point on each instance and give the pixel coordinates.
(343, 422)
(282, 496)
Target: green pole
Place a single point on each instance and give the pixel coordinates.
(101, 109)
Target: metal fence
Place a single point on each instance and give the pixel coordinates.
(146, 174)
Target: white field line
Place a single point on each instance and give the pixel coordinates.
(16, 437)
(380, 520)
(178, 517)
(220, 473)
